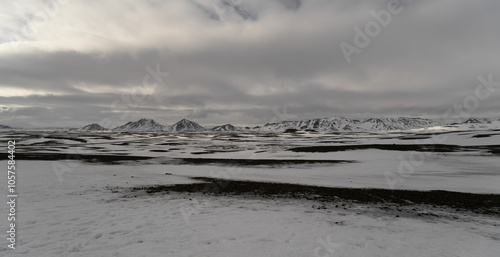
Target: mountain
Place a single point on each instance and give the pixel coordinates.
(142, 125)
(5, 127)
(328, 124)
(225, 127)
(92, 127)
(400, 123)
(477, 121)
(185, 126)
(342, 124)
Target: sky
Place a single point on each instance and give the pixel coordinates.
(70, 62)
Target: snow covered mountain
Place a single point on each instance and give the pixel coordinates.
(142, 125)
(330, 124)
(477, 121)
(400, 123)
(342, 124)
(93, 127)
(5, 127)
(225, 127)
(185, 125)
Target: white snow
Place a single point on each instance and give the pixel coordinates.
(79, 216)
(88, 209)
(333, 124)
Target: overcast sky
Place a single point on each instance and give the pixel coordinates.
(71, 62)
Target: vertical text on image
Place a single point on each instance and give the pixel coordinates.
(12, 194)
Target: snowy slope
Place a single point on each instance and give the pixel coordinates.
(225, 127)
(91, 213)
(185, 125)
(5, 127)
(400, 123)
(478, 125)
(477, 121)
(333, 124)
(93, 127)
(142, 125)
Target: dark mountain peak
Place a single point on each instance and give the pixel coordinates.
(93, 127)
(477, 121)
(336, 123)
(5, 127)
(186, 125)
(142, 125)
(225, 127)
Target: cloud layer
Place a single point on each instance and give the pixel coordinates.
(70, 62)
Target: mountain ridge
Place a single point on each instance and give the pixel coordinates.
(5, 127)
(142, 125)
(341, 124)
(325, 125)
(185, 125)
(93, 127)
(225, 127)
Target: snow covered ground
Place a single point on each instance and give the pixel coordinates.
(81, 216)
(87, 208)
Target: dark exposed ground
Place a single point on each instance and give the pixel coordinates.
(478, 203)
(249, 162)
(396, 147)
(94, 158)
(116, 159)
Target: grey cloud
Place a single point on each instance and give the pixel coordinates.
(280, 53)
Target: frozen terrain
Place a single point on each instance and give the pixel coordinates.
(325, 125)
(77, 194)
